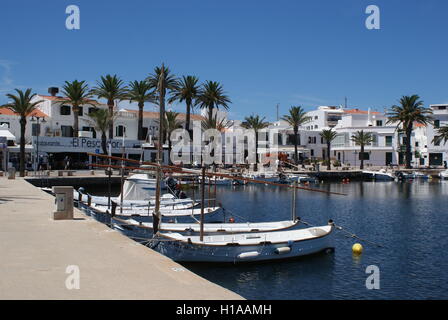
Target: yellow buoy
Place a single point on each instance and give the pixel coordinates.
(357, 248)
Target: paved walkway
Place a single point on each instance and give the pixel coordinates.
(35, 252)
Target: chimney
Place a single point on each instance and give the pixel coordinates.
(53, 91)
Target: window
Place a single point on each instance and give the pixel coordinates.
(388, 141)
(316, 117)
(416, 143)
(312, 152)
(65, 110)
(91, 129)
(442, 108)
(120, 131)
(92, 109)
(80, 112)
(321, 140)
(35, 129)
(6, 124)
(436, 123)
(67, 131)
(379, 123)
(365, 157)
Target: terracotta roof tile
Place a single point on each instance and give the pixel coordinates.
(155, 115)
(8, 112)
(357, 111)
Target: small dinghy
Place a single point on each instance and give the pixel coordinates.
(243, 247)
(444, 175)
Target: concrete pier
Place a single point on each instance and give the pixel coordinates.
(36, 253)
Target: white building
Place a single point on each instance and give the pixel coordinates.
(437, 153)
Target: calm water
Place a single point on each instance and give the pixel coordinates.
(409, 219)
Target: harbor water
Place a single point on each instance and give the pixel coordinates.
(409, 220)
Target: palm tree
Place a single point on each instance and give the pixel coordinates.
(409, 111)
(162, 80)
(101, 120)
(215, 123)
(22, 105)
(442, 134)
(329, 135)
(212, 96)
(171, 124)
(110, 88)
(77, 94)
(362, 138)
(255, 123)
(140, 92)
(296, 118)
(187, 91)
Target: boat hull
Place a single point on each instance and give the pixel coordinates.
(184, 252)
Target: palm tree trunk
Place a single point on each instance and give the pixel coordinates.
(328, 156)
(256, 151)
(161, 127)
(408, 147)
(104, 142)
(110, 103)
(210, 113)
(75, 121)
(140, 121)
(296, 153)
(22, 145)
(362, 157)
(187, 121)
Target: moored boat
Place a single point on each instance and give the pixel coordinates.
(381, 175)
(244, 247)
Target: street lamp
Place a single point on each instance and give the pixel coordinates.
(42, 120)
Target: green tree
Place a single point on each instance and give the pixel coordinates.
(187, 91)
(161, 81)
(409, 111)
(171, 124)
(212, 96)
(329, 135)
(101, 120)
(110, 88)
(255, 123)
(362, 139)
(442, 135)
(296, 118)
(77, 94)
(22, 105)
(140, 92)
(215, 123)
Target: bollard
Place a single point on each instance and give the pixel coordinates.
(11, 173)
(60, 173)
(64, 203)
(92, 172)
(89, 200)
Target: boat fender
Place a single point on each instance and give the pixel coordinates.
(248, 255)
(283, 250)
(231, 220)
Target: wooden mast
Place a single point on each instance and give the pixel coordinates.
(202, 204)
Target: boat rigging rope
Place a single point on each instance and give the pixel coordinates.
(351, 234)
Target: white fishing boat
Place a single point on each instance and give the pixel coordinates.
(267, 176)
(381, 175)
(218, 181)
(166, 199)
(243, 247)
(444, 175)
(306, 179)
(138, 229)
(165, 211)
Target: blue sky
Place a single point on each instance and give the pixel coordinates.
(295, 52)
